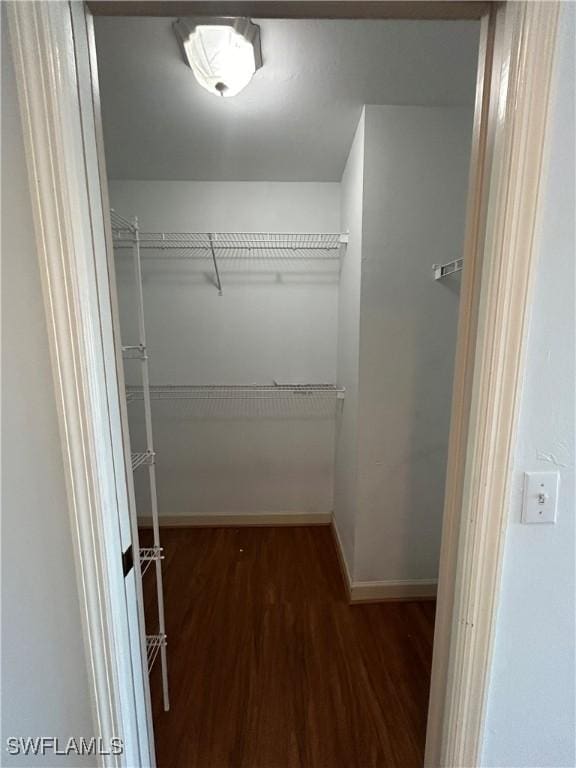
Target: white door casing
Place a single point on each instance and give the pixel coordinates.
(496, 294)
(50, 42)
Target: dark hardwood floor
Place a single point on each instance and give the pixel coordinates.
(270, 667)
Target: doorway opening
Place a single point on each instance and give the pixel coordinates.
(287, 276)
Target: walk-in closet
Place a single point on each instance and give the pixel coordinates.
(288, 254)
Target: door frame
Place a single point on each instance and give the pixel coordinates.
(54, 68)
(511, 115)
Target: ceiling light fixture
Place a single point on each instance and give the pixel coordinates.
(223, 53)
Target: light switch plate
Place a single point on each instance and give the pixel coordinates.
(540, 497)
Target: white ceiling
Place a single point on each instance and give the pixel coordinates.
(296, 119)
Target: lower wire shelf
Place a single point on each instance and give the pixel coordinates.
(237, 392)
(217, 401)
(153, 645)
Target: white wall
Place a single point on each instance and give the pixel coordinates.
(413, 213)
(275, 322)
(44, 676)
(415, 184)
(530, 717)
(346, 466)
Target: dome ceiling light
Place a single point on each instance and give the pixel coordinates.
(223, 53)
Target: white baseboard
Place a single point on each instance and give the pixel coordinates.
(236, 521)
(381, 591)
(356, 591)
(345, 572)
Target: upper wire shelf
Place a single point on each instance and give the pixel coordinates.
(230, 245)
(226, 246)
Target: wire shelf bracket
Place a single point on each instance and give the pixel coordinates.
(134, 352)
(142, 458)
(215, 260)
(149, 555)
(154, 645)
(443, 270)
(121, 225)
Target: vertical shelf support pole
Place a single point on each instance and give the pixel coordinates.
(151, 465)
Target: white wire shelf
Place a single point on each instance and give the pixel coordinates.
(237, 392)
(279, 401)
(265, 247)
(142, 458)
(443, 270)
(232, 245)
(149, 555)
(153, 645)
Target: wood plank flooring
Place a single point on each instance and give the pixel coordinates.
(270, 667)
